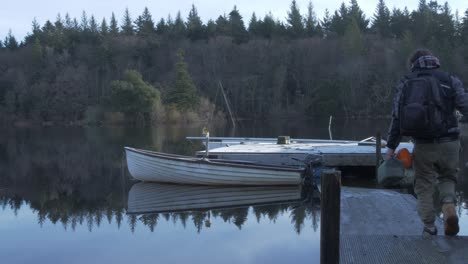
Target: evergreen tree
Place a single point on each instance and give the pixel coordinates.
(178, 28)
(127, 26)
(339, 20)
(356, 13)
(268, 27)
(195, 29)
(353, 39)
(37, 53)
(10, 41)
(104, 28)
(236, 27)
(145, 24)
(36, 28)
(84, 22)
(381, 23)
(68, 21)
(311, 23)
(59, 23)
(254, 25)
(294, 19)
(35, 32)
(464, 28)
(161, 27)
(93, 26)
(222, 26)
(113, 28)
(326, 24)
(183, 92)
(210, 28)
(400, 22)
(76, 25)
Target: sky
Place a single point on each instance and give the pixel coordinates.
(18, 15)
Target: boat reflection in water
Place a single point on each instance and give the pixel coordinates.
(158, 198)
(232, 204)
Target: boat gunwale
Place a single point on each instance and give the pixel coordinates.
(202, 160)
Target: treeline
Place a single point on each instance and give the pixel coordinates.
(344, 63)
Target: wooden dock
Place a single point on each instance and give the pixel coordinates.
(382, 226)
(328, 153)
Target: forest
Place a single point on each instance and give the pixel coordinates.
(141, 69)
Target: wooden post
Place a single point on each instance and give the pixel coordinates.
(330, 202)
(207, 144)
(378, 153)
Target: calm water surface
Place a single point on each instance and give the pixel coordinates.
(66, 198)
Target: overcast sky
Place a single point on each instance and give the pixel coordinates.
(17, 15)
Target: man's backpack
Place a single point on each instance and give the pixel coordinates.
(424, 106)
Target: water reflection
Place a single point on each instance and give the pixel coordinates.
(150, 203)
(179, 203)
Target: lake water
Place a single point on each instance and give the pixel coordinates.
(64, 199)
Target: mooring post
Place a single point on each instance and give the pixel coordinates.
(378, 152)
(330, 202)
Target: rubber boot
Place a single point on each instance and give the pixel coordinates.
(450, 219)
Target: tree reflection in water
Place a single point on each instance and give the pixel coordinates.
(71, 211)
(73, 177)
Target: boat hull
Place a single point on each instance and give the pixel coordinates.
(159, 167)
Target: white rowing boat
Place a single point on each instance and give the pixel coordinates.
(159, 198)
(161, 167)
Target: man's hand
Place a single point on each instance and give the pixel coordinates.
(389, 154)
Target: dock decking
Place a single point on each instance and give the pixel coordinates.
(328, 153)
(382, 226)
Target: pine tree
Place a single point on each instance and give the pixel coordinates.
(254, 25)
(236, 27)
(353, 39)
(464, 28)
(195, 29)
(178, 28)
(145, 24)
(400, 22)
(210, 28)
(37, 53)
(222, 26)
(326, 24)
(113, 28)
(127, 26)
(294, 19)
(381, 23)
(183, 93)
(68, 21)
(10, 41)
(340, 20)
(36, 28)
(59, 23)
(84, 22)
(104, 28)
(93, 26)
(311, 23)
(268, 28)
(356, 13)
(161, 27)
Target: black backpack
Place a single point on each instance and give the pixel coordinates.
(425, 104)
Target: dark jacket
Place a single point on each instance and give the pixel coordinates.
(460, 99)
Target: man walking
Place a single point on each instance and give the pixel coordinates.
(424, 108)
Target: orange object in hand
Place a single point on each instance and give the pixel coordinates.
(405, 156)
